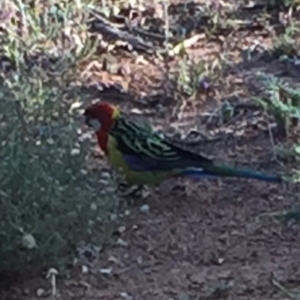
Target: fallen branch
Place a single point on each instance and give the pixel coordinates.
(105, 27)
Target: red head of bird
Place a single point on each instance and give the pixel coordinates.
(101, 116)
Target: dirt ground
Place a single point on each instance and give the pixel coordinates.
(210, 243)
(195, 240)
(208, 240)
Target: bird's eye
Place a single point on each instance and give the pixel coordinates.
(94, 123)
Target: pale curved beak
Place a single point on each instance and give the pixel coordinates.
(85, 120)
(93, 123)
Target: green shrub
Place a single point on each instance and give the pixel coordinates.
(48, 197)
(280, 100)
(45, 187)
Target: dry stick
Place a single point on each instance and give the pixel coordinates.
(284, 290)
(167, 23)
(272, 142)
(148, 34)
(107, 27)
(187, 43)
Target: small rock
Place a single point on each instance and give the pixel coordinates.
(105, 271)
(104, 181)
(26, 291)
(113, 217)
(75, 261)
(136, 111)
(224, 274)
(40, 292)
(109, 190)
(125, 295)
(147, 270)
(75, 151)
(145, 208)
(105, 175)
(121, 229)
(83, 172)
(200, 277)
(121, 242)
(84, 269)
(127, 212)
(220, 260)
(113, 259)
(93, 206)
(145, 193)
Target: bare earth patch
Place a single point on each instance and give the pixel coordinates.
(213, 242)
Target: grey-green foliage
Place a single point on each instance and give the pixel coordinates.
(45, 189)
(281, 100)
(49, 200)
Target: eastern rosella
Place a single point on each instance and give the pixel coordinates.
(146, 157)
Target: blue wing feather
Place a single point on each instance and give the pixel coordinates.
(142, 164)
(147, 151)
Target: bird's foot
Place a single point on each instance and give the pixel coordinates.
(126, 190)
(133, 193)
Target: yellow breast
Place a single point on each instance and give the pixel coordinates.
(117, 161)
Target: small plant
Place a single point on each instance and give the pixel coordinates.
(190, 76)
(196, 77)
(282, 101)
(283, 3)
(286, 45)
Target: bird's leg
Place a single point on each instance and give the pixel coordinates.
(129, 190)
(132, 193)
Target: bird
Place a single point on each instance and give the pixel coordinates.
(146, 157)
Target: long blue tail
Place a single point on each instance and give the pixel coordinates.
(224, 171)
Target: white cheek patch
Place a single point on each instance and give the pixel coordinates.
(95, 124)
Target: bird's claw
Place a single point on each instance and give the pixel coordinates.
(129, 190)
(133, 192)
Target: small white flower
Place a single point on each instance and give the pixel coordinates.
(29, 242)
